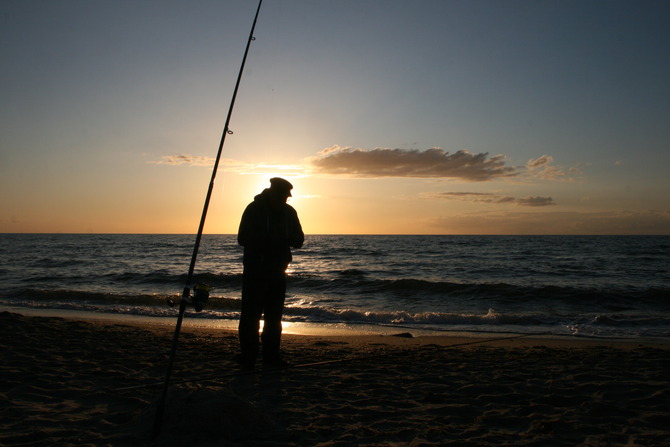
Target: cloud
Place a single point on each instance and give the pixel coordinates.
(652, 222)
(184, 159)
(230, 165)
(543, 168)
(432, 163)
(535, 201)
(540, 162)
(479, 197)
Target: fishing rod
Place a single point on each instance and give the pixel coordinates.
(200, 291)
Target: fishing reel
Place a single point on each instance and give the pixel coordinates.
(198, 300)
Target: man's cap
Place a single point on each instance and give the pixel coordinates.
(280, 184)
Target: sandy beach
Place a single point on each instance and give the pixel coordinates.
(84, 383)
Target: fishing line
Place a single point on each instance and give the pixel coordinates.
(160, 408)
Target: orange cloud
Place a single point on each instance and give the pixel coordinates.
(432, 163)
(185, 159)
(479, 197)
(543, 168)
(500, 222)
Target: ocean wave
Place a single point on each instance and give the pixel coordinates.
(392, 282)
(164, 277)
(357, 282)
(353, 283)
(55, 263)
(85, 299)
(600, 325)
(491, 317)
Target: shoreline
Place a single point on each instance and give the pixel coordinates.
(322, 329)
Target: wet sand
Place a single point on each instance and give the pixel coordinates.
(67, 382)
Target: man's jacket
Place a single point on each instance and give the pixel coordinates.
(267, 235)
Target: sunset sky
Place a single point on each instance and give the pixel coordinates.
(389, 117)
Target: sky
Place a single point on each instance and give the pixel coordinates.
(388, 116)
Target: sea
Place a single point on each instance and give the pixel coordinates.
(585, 286)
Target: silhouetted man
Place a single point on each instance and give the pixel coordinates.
(268, 230)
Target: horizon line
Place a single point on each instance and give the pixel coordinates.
(339, 234)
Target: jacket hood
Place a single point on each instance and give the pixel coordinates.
(262, 196)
